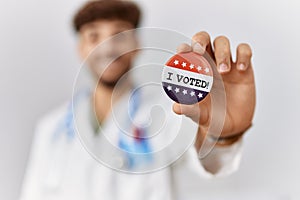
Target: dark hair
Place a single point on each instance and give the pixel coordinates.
(107, 9)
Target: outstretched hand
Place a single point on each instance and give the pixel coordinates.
(238, 79)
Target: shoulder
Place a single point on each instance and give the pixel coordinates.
(54, 114)
(48, 122)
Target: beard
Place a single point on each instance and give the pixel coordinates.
(111, 82)
(108, 83)
(109, 68)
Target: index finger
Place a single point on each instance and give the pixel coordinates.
(201, 42)
(184, 48)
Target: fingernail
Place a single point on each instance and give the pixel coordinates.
(223, 68)
(242, 66)
(198, 48)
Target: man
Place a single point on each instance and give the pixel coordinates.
(60, 168)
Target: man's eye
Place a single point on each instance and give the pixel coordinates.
(93, 38)
(123, 37)
(120, 37)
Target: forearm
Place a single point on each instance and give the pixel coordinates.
(224, 152)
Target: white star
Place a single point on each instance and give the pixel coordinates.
(176, 62)
(177, 90)
(183, 64)
(184, 92)
(206, 70)
(200, 95)
(199, 68)
(192, 93)
(192, 66)
(169, 87)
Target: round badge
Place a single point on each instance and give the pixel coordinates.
(187, 78)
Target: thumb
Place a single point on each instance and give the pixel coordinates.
(191, 111)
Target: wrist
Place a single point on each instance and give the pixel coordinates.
(224, 141)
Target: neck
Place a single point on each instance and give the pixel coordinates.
(105, 97)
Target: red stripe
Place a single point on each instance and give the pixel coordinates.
(190, 58)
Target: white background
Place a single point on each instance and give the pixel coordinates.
(38, 63)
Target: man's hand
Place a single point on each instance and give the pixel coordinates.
(238, 78)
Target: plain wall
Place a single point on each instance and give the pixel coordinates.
(38, 64)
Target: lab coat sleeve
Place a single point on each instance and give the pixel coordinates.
(223, 160)
(31, 182)
(38, 158)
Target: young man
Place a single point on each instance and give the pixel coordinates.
(60, 168)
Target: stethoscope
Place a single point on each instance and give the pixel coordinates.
(60, 148)
(139, 143)
(66, 129)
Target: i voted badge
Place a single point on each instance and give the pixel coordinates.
(187, 78)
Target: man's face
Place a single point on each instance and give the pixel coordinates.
(108, 60)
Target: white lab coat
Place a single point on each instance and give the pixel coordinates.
(60, 168)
